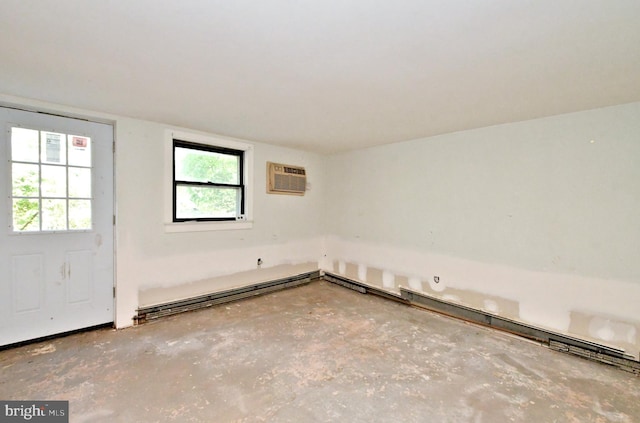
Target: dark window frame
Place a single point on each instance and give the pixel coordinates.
(177, 143)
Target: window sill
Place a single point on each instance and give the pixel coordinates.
(176, 227)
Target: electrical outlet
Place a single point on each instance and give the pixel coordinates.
(436, 279)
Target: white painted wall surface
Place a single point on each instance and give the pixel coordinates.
(542, 213)
(287, 230)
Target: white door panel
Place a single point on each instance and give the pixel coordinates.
(56, 239)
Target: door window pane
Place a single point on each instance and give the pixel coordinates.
(79, 182)
(54, 215)
(25, 180)
(79, 151)
(79, 214)
(54, 181)
(24, 145)
(26, 214)
(53, 148)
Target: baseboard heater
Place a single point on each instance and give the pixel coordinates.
(361, 287)
(145, 314)
(554, 341)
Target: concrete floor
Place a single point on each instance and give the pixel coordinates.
(313, 354)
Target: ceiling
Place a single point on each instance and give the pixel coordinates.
(323, 75)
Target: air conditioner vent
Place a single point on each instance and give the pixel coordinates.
(286, 179)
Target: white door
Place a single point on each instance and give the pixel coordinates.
(56, 238)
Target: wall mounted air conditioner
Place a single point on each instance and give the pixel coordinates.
(286, 179)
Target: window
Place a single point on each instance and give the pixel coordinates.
(209, 183)
(50, 181)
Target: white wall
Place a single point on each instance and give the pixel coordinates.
(538, 220)
(287, 230)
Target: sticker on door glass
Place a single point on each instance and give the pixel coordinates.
(79, 151)
(53, 148)
(79, 142)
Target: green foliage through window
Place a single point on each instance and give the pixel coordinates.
(50, 180)
(208, 182)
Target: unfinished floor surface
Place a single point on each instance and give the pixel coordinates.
(316, 353)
